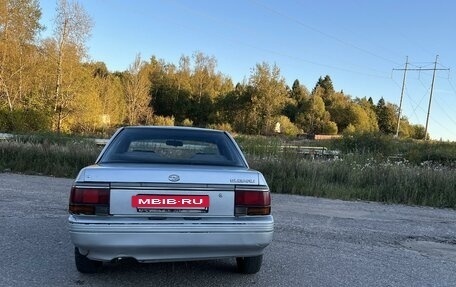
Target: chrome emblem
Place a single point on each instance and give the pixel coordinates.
(174, 178)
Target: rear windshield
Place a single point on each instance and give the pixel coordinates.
(172, 146)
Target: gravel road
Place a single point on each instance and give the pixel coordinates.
(317, 242)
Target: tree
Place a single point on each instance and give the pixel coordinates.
(19, 26)
(204, 70)
(83, 111)
(418, 132)
(297, 100)
(72, 29)
(109, 92)
(183, 74)
(136, 90)
(171, 88)
(234, 108)
(367, 122)
(316, 119)
(206, 85)
(387, 117)
(287, 127)
(361, 119)
(268, 97)
(339, 109)
(325, 89)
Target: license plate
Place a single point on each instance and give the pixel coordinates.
(156, 201)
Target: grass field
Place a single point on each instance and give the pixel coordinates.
(372, 168)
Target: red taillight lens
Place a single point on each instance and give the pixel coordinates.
(89, 195)
(248, 198)
(252, 201)
(89, 200)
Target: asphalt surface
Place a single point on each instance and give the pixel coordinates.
(317, 242)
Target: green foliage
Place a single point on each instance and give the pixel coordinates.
(362, 116)
(316, 120)
(366, 143)
(287, 127)
(325, 89)
(418, 153)
(430, 153)
(339, 109)
(387, 117)
(268, 97)
(329, 128)
(265, 147)
(418, 132)
(24, 121)
(234, 108)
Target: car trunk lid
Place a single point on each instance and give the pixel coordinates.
(171, 191)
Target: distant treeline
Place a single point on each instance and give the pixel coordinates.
(48, 85)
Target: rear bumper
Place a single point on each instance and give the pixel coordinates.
(173, 240)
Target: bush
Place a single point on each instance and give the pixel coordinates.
(24, 121)
(187, 123)
(264, 147)
(367, 143)
(287, 127)
(223, 127)
(163, 121)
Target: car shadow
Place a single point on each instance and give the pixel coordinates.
(209, 266)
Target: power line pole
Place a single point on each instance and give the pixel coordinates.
(430, 96)
(402, 96)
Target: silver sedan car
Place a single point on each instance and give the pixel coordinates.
(160, 194)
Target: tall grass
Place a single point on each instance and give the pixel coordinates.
(424, 175)
(349, 179)
(43, 157)
(372, 167)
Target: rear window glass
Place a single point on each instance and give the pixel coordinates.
(172, 146)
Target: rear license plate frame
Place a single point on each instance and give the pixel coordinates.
(170, 202)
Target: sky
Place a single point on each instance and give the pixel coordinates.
(362, 45)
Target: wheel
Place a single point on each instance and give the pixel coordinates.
(84, 264)
(249, 265)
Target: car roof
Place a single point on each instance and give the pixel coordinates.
(173, 128)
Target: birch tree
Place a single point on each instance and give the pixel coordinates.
(72, 29)
(136, 90)
(19, 26)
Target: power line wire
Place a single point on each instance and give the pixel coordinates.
(270, 51)
(322, 33)
(444, 112)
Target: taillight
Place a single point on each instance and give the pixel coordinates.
(252, 200)
(89, 200)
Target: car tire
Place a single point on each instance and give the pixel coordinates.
(84, 264)
(249, 265)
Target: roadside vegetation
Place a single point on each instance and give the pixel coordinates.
(374, 168)
(47, 154)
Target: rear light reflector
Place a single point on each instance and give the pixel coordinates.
(89, 200)
(252, 201)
